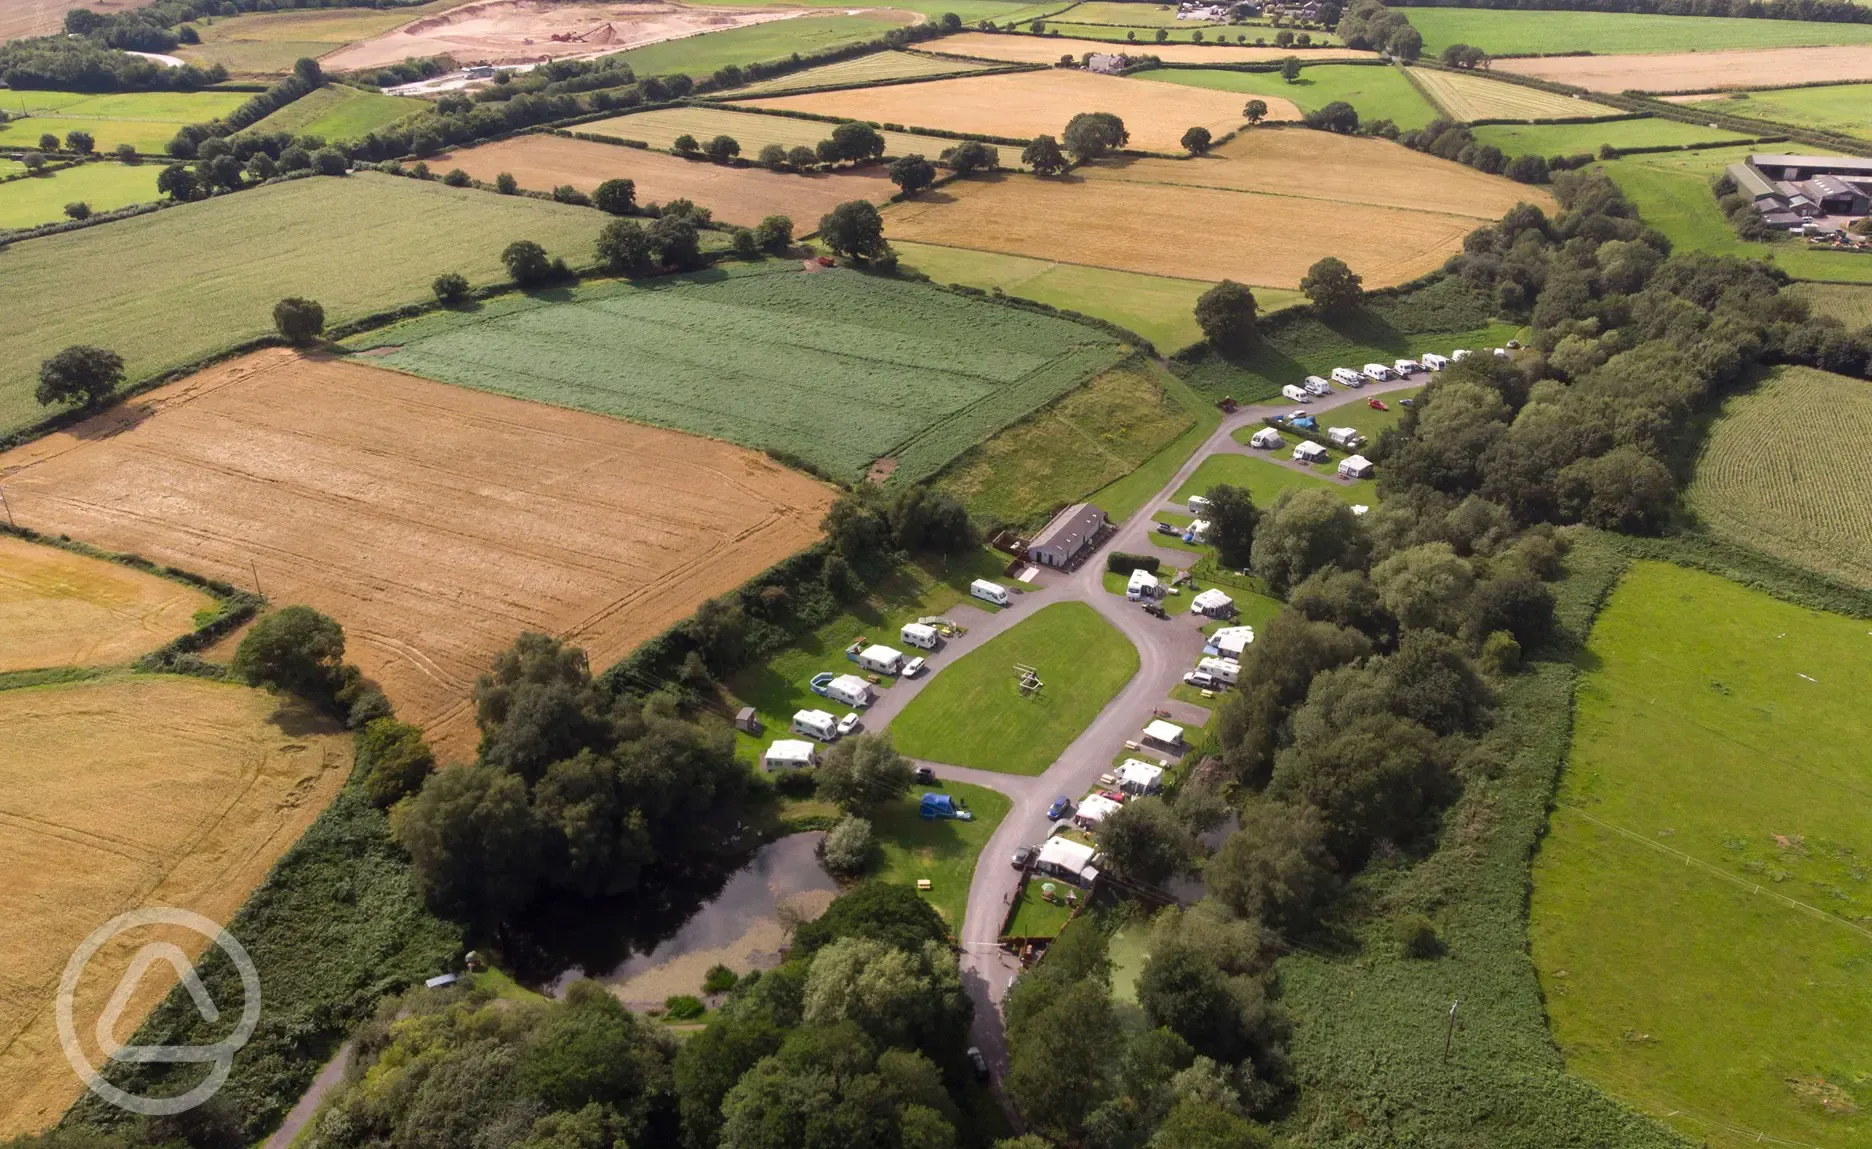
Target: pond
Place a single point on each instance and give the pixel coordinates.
(739, 927)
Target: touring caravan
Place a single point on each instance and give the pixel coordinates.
(1307, 451)
(816, 724)
(987, 591)
(1317, 386)
(1197, 504)
(1347, 377)
(1459, 355)
(847, 688)
(1407, 366)
(1379, 373)
(918, 635)
(880, 659)
(789, 754)
(1267, 438)
(1296, 394)
(1347, 437)
(1225, 670)
(1435, 362)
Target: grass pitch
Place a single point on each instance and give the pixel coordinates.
(1467, 96)
(339, 112)
(835, 367)
(1616, 33)
(1700, 900)
(973, 714)
(863, 70)
(105, 186)
(1575, 139)
(939, 849)
(1767, 480)
(58, 608)
(1264, 479)
(1377, 93)
(166, 288)
(1834, 107)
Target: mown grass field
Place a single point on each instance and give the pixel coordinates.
(1835, 107)
(970, 11)
(1611, 33)
(105, 186)
(701, 55)
(1123, 14)
(339, 112)
(940, 849)
(836, 367)
(1575, 139)
(1377, 93)
(973, 714)
(1851, 304)
(1265, 480)
(1771, 473)
(1700, 901)
(1467, 96)
(167, 288)
(145, 120)
(862, 70)
(1093, 436)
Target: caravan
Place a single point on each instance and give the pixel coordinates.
(919, 635)
(815, 724)
(1224, 670)
(1317, 386)
(987, 591)
(1347, 437)
(1379, 373)
(1346, 377)
(1296, 394)
(880, 659)
(1435, 362)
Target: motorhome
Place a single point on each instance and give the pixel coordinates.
(1379, 373)
(1317, 386)
(1347, 377)
(1225, 670)
(919, 635)
(987, 591)
(816, 724)
(1435, 362)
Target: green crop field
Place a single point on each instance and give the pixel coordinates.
(862, 70)
(1377, 93)
(1671, 192)
(838, 367)
(1093, 436)
(339, 112)
(1700, 903)
(970, 11)
(145, 120)
(1504, 32)
(701, 55)
(939, 849)
(1833, 107)
(1771, 474)
(973, 714)
(1574, 139)
(105, 186)
(167, 288)
(1851, 304)
(1468, 96)
(1264, 479)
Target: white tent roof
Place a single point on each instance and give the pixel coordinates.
(790, 750)
(1168, 733)
(1095, 808)
(850, 684)
(1066, 854)
(1139, 773)
(880, 654)
(1232, 639)
(1211, 599)
(1355, 461)
(1307, 449)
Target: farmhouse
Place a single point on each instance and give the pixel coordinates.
(1067, 536)
(1135, 777)
(1064, 858)
(1789, 190)
(789, 754)
(1105, 63)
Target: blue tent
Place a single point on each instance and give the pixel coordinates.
(937, 806)
(1306, 422)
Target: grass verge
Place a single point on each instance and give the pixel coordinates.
(942, 850)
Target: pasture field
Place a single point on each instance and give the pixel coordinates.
(1048, 50)
(1063, 452)
(939, 849)
(1764, 482)
(1467, 96)
(735, 195)
(1021, 105)
(106, 186)
(1671, 192)
(1851, 304)
(47, 17)
(1503, 32)
(1702, 71)
(58, 608)
(1377, 93)
(166, 288)
(973, 714)
(339, 112)
(836, 367)
(1265, 479)
(701, 55)
(863, 70)
(1574, 139)
(1699, 902)
(131, 791)
(970, 11)
(1834, 108)
(265, 43)
(1122, 14)
(754, 131)
(435, 523)
(145, 120)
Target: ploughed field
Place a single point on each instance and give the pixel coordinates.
(434, 523)
(832, 366)
(124, 792)
(58, 608)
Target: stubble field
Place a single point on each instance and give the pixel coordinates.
(753, 131)
(1048, 50)
(434, 523)
(126, 792)
(734, 195)
(58, 608)
(1702, 71)
(1467, 96)
(863, 70)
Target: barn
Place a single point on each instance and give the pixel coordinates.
(1068, 536)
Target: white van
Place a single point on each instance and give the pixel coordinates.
(815, 724)
(1317, 386)
(987, 591)
(1296, 394)
(1435, 362)
(918, 635)
(1379, 373)
(1347, 377)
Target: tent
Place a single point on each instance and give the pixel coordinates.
(943, 806)
(1307, 451)
(1230, 641)
(1067, 859)
(1135, 777)
(1095, 808)
(1164, 733)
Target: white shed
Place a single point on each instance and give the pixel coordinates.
(1142, 584)
(1095, 808)
(850, 689)
(1164, 733)
(1307, 451)
(1267, 438)
(1231, 641)
(1213, 603)
(815, 724)
(1355, 467)
(790, 754)
(881, 659)
(1065, 858)
(1135, 777)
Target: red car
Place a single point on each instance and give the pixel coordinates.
(1113, 795)
(1376, 404)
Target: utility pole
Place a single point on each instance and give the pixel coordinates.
(1449, 1035)
(9, 511)
(255, 567)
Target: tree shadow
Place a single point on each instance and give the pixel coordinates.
(297, 718)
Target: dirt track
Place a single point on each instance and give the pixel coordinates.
(435, 523)
(1701, 71)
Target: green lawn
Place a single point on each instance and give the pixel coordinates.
(1572, 139)
(166, 288)
(1034, 916)
(1504, 32)
(1265, 480)
(940, 849)
(339, 112)
(1127, 14)
(1359, 414)
(973, 714)
(1377, 93)
(701, 55)
(1834, 107)
(1700, 903)
(970, 11)
(105, 186)
(779, 686)
(145, 120)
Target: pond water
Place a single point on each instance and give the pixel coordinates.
(740, 927)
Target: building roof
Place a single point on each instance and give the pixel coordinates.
(1071, 529)
(1169, 733)
(1839, 164)
(1782, 219)
(1066, 854)
(1749, 181)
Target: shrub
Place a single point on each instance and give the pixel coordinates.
(847, 848)
(1119, 562)
(566, 193)
(301, 321)
(127, 153)
(80, 142)
(723, 148)
(686, 144)
(399, 760)
(745, 245)
(78, 209)
(526, 262)
(802, 158)
(506, 184)
(773, 157)
(775, 233)
(719, 979)
(330, 162)
(624, 247)
(683, 1007)
(1501, 654)
(457, 178)
(451, 287)
(1416, 936)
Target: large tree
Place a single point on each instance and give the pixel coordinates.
(912, 173)
(295, 650)
(79, 376)
(1332, 286)
(863, 772)
(301, 321)
(1090, 135)
(1232, 519)
(1275, 869)
(1043, 155)
(1305, 531)
(624, 247)
(1226, 314)
(854, 229)
(1143, 841)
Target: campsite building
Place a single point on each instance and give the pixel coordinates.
(1791, 189)
(790, 754)
(1067, 537)
(1064, 858)
(1136, 777)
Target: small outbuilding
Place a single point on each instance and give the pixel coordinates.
(1309, 452)
(1267, 438)
(881, 659)
(1095, 808)
(1213, 603)
(1135, 777)
(748, 722)
(1064, 858)
(1142, 584)
(790, 754)
(1164, 734)
(1067, 536)
(1355, 467)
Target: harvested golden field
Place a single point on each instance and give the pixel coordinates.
(872, 69)
(1321, 166)
(1048, 49)
(435, 523)
(1023, 105)
(131, 791)
(754, 131)
(1701, 71)
(1264, 240)
(736, 195)
(63, 609)
(1467, 96)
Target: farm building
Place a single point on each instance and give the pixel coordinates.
(1105, 63)
(849, 689)
(790, 754)
(1135, 777)
(1094, 809)
(1067, 536)
(1213, 603)
(880, 659)
(1142, 584)
(1308, 451)
(1267, 438)
(1064, 858)
(1355, 467)
(815, 724)
(1163, 733)
(1229, 641)
(1790, 189)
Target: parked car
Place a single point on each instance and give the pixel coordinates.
(979, 1062)
(1201, 679)
(1059, 808)
(924, 775)
(1168, 529)
(1407, 402)
(914, 667)
(1023, 856)
(1156, 609)
(848, 724)
(1113, 795)
(1376, 404)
